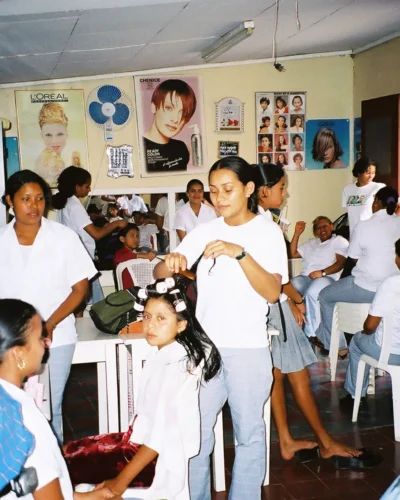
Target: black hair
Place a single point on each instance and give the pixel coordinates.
(397, 247)
(388, 196)
(193, 182)
(295, 136)
(362, 165)
(198, 346)
(15, 316)
(19, 179)
(125, 230)
(243, 171)
(265, 99)
(67, 182)
(111, 205)
(265, 118)
(267, 174)
(280, 98)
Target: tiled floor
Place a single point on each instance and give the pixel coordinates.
(289, 479)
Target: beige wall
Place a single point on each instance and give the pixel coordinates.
(328, 82)
(376, 73)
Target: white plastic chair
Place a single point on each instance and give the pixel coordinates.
(141, 271)
(347, 317)
(218, 459)
(382, 364)
(295, 266)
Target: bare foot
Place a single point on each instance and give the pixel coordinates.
(337, 448)
(289, 448)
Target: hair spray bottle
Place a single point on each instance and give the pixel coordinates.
(197, 146)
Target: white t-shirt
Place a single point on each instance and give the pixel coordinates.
(57, 261)
(74, 216)
(135, 204)
(266, 213)
(162, 206)
(46, 457)
(387, 301)
(319, 255)
(168, 419)
(358, 201)
(145, 233)
(231, 312)
(372, 244)
(186, 219)
(178, 205)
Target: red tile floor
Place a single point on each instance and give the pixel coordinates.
(289, 479)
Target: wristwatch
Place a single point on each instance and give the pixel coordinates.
(323, 273)
(243, 254)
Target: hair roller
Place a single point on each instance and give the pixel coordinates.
(178, 302)
(142, 293)
(139, 304)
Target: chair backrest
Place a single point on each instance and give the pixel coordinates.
(350, 317)
(295, 266)
(141, 271)
(387, 334)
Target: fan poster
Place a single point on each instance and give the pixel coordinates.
(280, 128)
(328, 144)
(171, 125)
(52, 131)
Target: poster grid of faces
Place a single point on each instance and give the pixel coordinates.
(280, 128)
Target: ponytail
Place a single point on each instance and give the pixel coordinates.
(388, 197)
(67, 182)
(267, 174)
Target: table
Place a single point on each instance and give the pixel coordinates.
(94, 346)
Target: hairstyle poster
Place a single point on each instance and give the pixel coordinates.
(52, 131)
(280, 128)
(171, 125)
(328, 144)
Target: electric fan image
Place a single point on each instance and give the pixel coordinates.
(110, 108)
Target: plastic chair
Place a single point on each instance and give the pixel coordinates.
(295, 266)
(218, 459)
(381, 363)
(141, 271)
(347, 317)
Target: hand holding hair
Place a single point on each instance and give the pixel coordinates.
(216, 248)
(176, 262)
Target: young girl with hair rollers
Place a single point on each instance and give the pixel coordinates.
(165, 431)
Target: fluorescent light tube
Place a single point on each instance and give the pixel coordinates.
(228, 41)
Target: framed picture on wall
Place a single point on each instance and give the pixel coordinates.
(229, 115)
(51, 130)
(228, 148)
(328, 144)
(171, 125)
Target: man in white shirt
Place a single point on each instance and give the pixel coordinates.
(130, 203)
(370, 340)
(146, 232)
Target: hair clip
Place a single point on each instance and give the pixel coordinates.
(179, 303)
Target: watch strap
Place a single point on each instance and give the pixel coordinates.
(243, 254)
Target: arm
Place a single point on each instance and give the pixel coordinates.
(97, 233)
(159, 222)
(298, 230)
(51, 490)
(143, 457)
(334, 268)
(371, 324)
(296, 303)
(70, 304)
(148, 255)
(181, 233)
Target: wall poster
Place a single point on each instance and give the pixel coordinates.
(280, 128)
(328, 144)
(51, 130)
(171, 125)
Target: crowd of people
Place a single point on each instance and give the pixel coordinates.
(214, 352)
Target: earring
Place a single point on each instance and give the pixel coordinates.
(21, 364)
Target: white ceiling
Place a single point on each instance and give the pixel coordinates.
(39, 40)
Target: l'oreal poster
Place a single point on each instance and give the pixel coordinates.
(171, 125)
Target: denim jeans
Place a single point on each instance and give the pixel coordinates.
(344, 290)
(245, 380)
(311, 289)
(59, 367)
(363, 344)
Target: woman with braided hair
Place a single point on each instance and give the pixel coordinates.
(165, 432)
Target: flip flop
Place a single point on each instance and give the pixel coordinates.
(367, 460)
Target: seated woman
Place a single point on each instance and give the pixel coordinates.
(22, 347)
(369, 341)
(372, 248)
(129, 238)
(323, 258)
(166, 424)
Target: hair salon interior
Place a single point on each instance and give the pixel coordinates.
(147, 95)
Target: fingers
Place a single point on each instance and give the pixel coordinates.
(176, 261)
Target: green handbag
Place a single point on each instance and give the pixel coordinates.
(114, 312)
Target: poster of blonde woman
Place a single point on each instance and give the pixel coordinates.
(52, 131)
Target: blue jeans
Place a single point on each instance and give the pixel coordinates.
(363, 344)
(311, 289)
(245, 380)
(59, 368)
(344, 290)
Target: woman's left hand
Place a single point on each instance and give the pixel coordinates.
(218, 247)
(111, 485)
(100, 494)
(315, 274)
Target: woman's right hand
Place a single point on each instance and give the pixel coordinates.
(298, 315)
(175, 262)
(300, 227)
(120, 224)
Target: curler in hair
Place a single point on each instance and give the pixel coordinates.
(142, 293)
(139, 304)
(178, 303)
